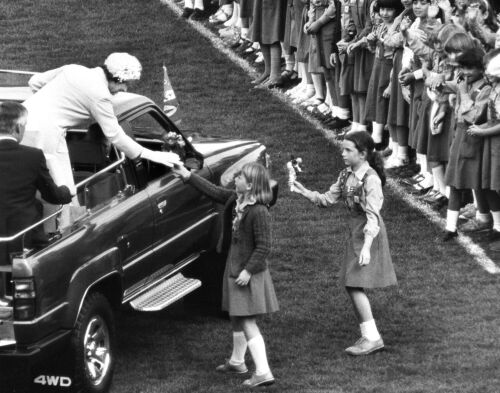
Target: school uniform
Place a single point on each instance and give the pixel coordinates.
(491, 148)
(376, 105)
(250, 245)
(322, 43)
(268, 24)
(361, 191)
(464, 170)
(399, 110)
(348, 31)
(363, 59)
(303, 39)
(246, 8)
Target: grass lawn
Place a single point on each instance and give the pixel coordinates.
(441, 324)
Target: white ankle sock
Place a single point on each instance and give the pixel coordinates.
(451, 220)
(199, 4)
(343, 113)
(496, 220)
(482, 217)
(239, 348)
(258, 350)
(362, 127)
(369, 330)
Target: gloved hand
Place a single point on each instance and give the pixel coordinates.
(161, 157)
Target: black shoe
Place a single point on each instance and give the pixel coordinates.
(494, 235)
(439, 202)
(447, 236)
(243, 46)
(187, 12)
(336, 123)
(198, 15)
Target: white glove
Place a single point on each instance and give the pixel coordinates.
(161, 157)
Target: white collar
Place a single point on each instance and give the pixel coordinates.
(360, 173)
(8, 137)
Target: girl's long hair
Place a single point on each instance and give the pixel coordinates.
(364, 143)
(258, 175)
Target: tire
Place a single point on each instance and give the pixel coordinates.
(93, 345)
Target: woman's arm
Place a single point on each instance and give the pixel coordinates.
(38, 81)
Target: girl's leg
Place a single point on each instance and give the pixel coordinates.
(189, 4)
(402, 139)
(355, 112)
(239, 342)
(266, 53)
(377, 135)
(438, 170)
(319, 89)
(362, 108)
(452, 214)
(371, 340)
(275, 58)
(256, 345)
(494, 201)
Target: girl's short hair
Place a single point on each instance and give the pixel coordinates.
(364, 143)
(448, 30)
(472, 58)
(394, 4)
(258, 175)
(485, 7)
(459, 42)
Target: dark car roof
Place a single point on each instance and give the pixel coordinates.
(123, 103)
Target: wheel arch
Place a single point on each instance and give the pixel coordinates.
(102, 274)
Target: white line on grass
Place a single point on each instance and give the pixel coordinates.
(466, 242)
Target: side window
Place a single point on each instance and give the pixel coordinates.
(97, 172)
(151, 133)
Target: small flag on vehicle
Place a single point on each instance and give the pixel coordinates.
(170, 103)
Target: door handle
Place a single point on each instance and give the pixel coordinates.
(161, 204)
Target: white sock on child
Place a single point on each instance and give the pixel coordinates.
(239, 348)
(369, 330)
(482, 217)
(258, 350)
(451, 220)
(496, 220)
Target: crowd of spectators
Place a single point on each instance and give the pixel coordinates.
(422, 76)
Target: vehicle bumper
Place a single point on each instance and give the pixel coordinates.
(49, 358)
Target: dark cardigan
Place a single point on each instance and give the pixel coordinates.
(251, 243)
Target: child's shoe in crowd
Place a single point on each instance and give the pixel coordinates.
(260, 79)
(259, 59)
(336, 123)
(259, 380)
(198, 15)
(187, 12)
(494, 235)
(364, 347)
(449, 235)
(219, 17)
(476, 225)
(231, 368)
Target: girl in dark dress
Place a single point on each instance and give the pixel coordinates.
(367, 262)
(247, 289)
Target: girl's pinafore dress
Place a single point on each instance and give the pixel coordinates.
(491, 147)
(352, 191)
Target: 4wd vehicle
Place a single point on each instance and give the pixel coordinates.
(136, 239)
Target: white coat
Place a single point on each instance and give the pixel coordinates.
(68, 97)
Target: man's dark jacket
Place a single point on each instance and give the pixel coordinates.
(23, 171)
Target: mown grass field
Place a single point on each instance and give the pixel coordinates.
(441, 324)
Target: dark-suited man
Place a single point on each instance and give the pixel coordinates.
(23, 171)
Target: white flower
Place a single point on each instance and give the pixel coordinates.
(123, 66)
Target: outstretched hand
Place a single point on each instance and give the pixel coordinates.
(181, 171)
(298, 188)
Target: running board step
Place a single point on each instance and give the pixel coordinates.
(165, 293)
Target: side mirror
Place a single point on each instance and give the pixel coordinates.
(192, 163)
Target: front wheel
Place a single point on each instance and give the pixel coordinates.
(93, 345)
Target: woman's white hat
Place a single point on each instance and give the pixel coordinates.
(123, 66)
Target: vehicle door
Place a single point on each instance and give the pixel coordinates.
(182, 216)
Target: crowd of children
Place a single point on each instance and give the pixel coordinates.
(419, 75)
